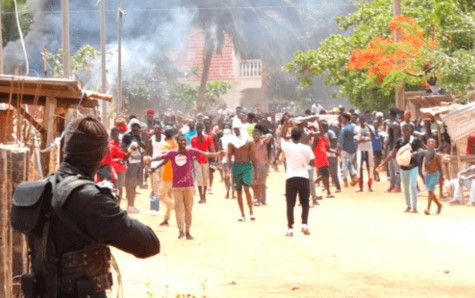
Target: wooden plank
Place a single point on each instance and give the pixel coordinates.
(460, 122)
(56, 92)
(49, 123)
(19, 160)
(30, 119)
(41, 101)
(5, 191)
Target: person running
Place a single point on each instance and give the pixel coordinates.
(182, 182)
(297, 158)
(433, 173)
(243, 152)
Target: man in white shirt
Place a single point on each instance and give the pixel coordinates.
(297, 158)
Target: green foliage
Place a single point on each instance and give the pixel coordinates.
(81, 62)
(452, 20)
(149, 88)
(156, 89)
(185, 94)
(214, 90)
(9, 25)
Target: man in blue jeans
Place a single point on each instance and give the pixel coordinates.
(408, 172)
(346, 148)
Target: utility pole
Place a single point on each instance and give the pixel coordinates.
(1, 40)
(104, 116)
(120, 105)
(66, 67)
(400, 104)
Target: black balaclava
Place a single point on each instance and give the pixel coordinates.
(85, 144)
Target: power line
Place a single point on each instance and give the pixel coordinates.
(194, 8)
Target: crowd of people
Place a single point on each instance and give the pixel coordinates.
(186, 156)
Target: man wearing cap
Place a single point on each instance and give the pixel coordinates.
(346, 147)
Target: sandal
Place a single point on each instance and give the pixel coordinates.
(242, 218)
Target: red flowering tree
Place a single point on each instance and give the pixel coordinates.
(388, 62)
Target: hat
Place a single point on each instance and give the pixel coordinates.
(336, 110)
(150, 112)
(120, 121)
(407, 113)
(379, 114)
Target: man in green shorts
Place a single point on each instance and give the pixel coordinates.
(242, 149)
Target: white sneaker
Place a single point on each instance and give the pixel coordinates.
(305, 230)
(132, 210)
(290, 233)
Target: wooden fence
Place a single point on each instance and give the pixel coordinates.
(14, 168)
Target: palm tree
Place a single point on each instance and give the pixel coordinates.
(269, 30)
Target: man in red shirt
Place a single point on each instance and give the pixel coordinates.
(114, 160)
(200, 164)
(320, 148)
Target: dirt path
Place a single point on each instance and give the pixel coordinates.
(361, 245)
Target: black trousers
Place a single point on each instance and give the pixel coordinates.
(294, 186)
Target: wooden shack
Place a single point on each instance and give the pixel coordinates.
(44, 104)
(417, 100)
(31, 106)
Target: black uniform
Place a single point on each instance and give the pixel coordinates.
(96, 213)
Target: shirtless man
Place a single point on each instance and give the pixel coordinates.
(433, 173)
(242, 168)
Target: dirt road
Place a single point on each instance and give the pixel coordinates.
(361, 245)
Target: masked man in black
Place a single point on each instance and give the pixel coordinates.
(91, 219)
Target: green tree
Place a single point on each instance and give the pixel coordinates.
(151, 87)
(81, 63)
(9, 25)
(214, 90)
(452, 20)
(185, 96)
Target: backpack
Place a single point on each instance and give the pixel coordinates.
(404, 154)
(34, 204)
